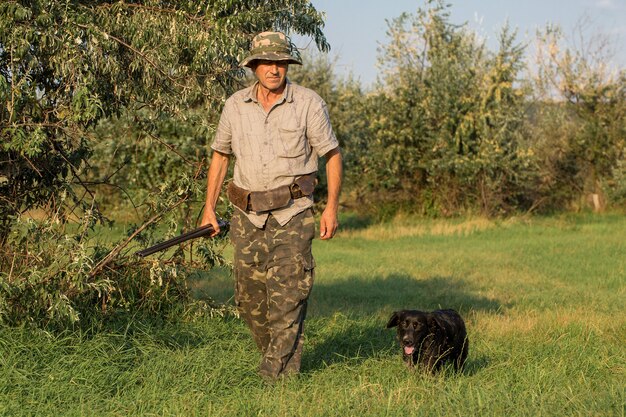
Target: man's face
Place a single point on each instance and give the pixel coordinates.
(271, 74)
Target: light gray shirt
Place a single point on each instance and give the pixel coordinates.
(273, 148)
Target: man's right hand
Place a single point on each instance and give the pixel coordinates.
(209, 218)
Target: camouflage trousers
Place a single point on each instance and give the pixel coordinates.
(274, 271)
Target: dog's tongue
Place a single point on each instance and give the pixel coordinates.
(409, 350)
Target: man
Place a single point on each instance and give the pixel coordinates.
(276, 131)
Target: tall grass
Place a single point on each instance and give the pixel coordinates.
(544, 300)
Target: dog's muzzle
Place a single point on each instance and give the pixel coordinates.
(407, 346)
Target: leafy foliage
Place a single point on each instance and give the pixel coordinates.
(52, 277)
(67, 67)
(590, 114)
(446, 132)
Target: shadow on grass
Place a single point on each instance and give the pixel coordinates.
(152, 331)
(352, 344)
(350, 316)
(367, 296)
(474, 365)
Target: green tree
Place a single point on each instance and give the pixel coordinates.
(449, 111)
(582, 126)
(65, 66)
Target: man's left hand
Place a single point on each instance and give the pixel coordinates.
(328, 224)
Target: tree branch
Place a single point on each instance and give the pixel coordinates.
(135, 51)
(107, 259)
(170, 147)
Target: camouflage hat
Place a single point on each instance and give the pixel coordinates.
(271, 46)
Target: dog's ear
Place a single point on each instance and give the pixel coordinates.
(394, 320)
(433, 323)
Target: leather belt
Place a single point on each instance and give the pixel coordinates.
(261, 201)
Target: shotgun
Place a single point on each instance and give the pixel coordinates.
(201, 231)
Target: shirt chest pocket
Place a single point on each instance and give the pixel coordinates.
(291, 143)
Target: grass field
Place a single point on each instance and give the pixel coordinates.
(544, 300)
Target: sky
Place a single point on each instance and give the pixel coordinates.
(356, 28)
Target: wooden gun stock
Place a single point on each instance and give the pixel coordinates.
(193, 234)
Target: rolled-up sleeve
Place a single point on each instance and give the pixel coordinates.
(223, 135)
(319, 130)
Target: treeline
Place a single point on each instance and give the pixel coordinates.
(108, 109)
(453, 128)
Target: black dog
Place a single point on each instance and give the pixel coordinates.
(431, 339)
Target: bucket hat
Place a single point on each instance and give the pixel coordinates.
(271, 46)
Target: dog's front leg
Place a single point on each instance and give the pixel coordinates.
(431, 364)
(430, 359)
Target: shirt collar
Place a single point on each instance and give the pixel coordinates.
(251, 93)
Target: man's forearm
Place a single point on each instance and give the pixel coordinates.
(215, 179)
(216, 175)
(334, 175)
(334, 172)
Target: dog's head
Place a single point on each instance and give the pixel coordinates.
(413, 326)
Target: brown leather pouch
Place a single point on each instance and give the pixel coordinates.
(304, 185)
(270, 200)
(238, 196)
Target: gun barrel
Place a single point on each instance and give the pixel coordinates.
(205, 230)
